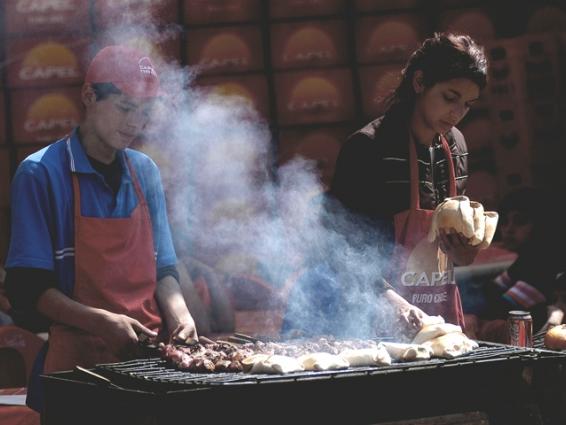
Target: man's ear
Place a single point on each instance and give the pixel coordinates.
(88, 96)
(418, 84)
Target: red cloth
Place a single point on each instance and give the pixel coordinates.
(114, 270)
(421, 278)
(26, 343)
(17, 415)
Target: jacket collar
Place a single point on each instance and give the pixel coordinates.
(78, 160)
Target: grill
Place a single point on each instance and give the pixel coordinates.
(512, 385)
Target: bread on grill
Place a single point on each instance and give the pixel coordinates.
(555, 338)
(322, 361)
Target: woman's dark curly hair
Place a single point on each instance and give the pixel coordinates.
(443, 57)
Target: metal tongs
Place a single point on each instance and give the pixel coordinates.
(97, 377)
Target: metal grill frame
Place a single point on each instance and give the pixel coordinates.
(511, 390)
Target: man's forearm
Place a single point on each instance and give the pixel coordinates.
(61, 309)
(171, 302)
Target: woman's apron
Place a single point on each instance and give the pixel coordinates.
(114, 270)
(423, 274)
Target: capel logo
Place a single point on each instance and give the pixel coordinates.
(225, 50)
(385, 85)
(43, 6)
(309, 44)
(235, 89)
(127, 3)
(314, 94)
(423, 279)
(49, 60)
(51, 112)
(392, 37)
(145, 67)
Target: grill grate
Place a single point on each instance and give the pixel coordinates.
(156, 374)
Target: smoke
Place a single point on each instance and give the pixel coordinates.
(233, 208)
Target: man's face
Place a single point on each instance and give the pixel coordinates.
(443, 105)
(516, 229)
(119, 119)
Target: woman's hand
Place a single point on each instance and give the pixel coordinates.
(457, 248)
(409, 317)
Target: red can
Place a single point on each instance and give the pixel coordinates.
(520, 328)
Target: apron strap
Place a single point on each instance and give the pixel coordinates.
(139, 193)
(77, 192)
(414, 172)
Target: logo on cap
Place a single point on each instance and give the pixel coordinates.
(146, 67)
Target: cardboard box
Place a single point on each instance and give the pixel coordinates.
(526, 67)
(482, 186)
(320, 145)
(2, 119)
(314, 96)
(252, 88)
(55, 61)
(43, 115)
(379, 5)
(477, 23)
(478, 132)
(4, 233)
(291, 8)
(225, 50)
(309, 44)
(377, 83)
(162, 51)
(112, 13)
(46, 16)
(4, 177)
(208, 12)
(389, 38)
(547, 18)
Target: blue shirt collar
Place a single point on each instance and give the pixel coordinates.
(78, 160)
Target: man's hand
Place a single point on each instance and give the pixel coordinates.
(409, 317)
(457, 247)
(121, 333)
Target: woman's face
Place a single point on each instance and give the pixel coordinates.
(443, 105)
(516, 229)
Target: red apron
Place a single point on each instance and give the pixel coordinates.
(422, 273)
(114, 270)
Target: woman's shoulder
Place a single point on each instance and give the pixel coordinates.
(456, 141)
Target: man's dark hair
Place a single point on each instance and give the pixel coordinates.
(103, 90)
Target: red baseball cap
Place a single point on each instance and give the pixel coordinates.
(127, 68)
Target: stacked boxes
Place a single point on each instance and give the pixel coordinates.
(315, 70)
(524, 98)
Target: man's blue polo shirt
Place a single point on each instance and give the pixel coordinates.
(43, 232)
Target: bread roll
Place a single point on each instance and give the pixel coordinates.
(491, 218)
(250, 361)
(555, 338)
(407, 352)
(453, 214)
(374, 356)
(432, 320)
(451, 345)
(433, 331)
(277, 364)
(322, 361)
(479, 223)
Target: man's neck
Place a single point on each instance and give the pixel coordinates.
(94, 147)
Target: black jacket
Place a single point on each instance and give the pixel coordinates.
(372, 173)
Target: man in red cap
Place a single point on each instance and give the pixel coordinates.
(91, 250)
